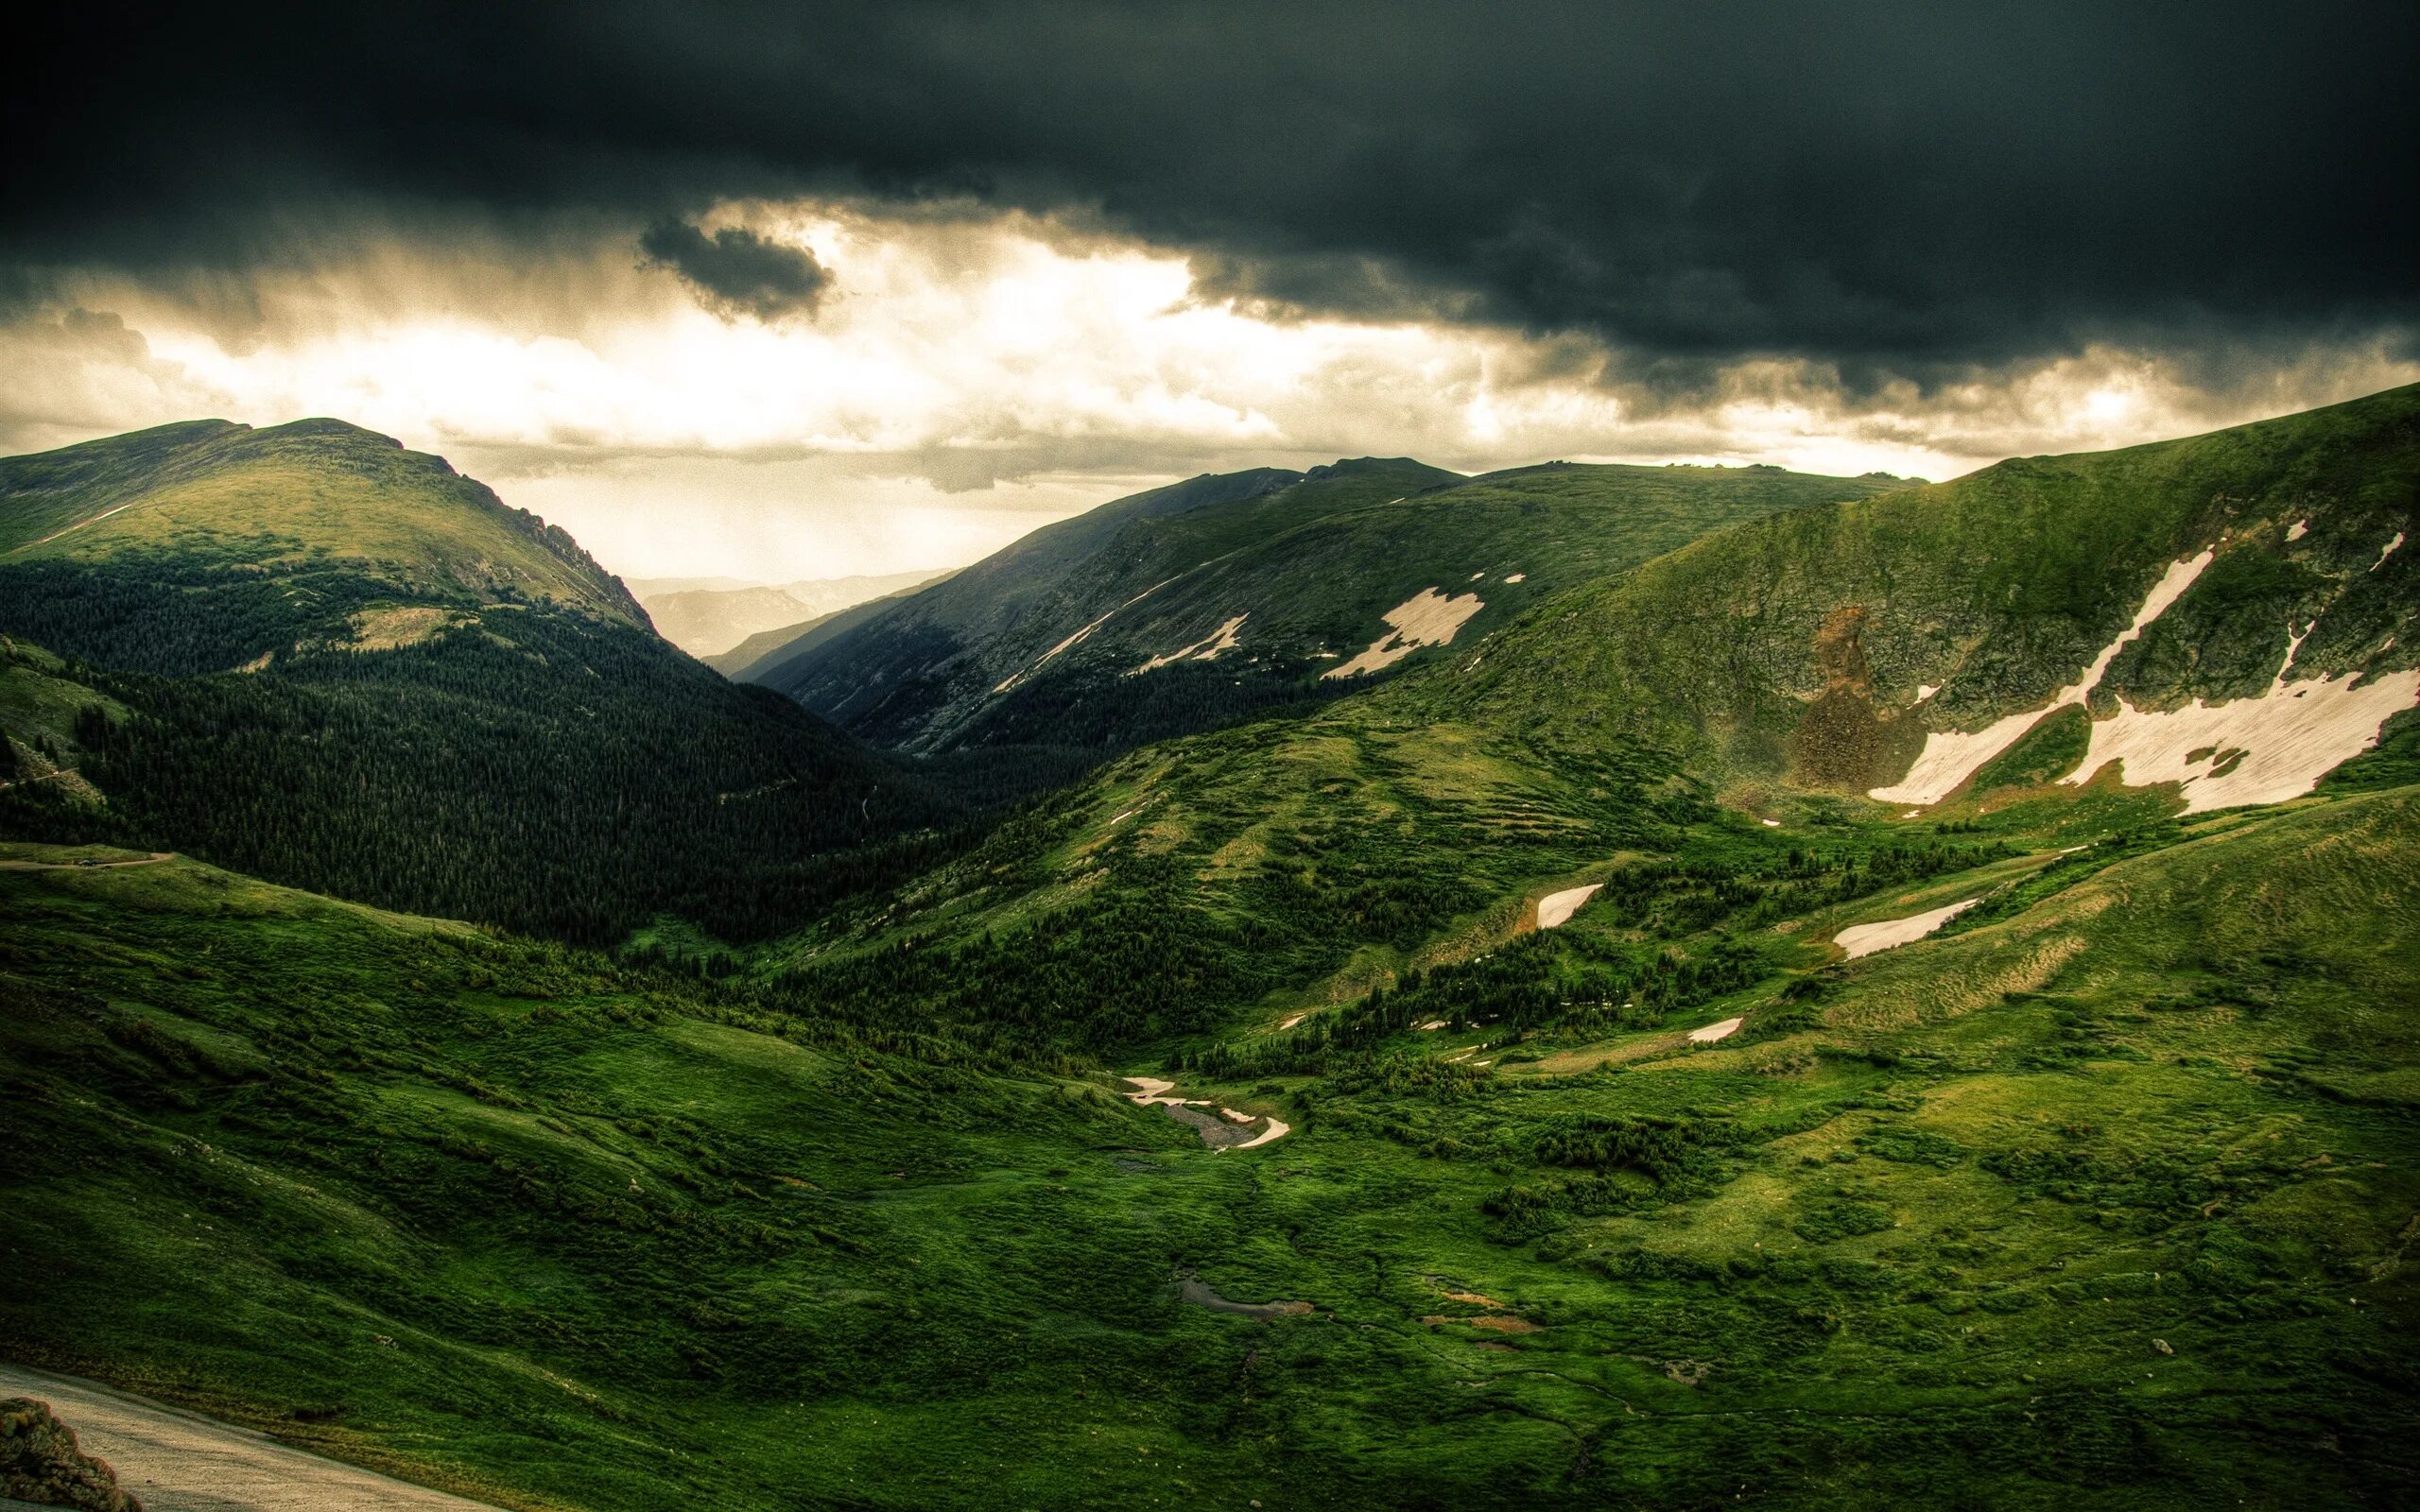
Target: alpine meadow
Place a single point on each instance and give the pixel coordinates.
(926, 900)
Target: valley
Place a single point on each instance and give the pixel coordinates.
(1339, 756)
(1816, 991)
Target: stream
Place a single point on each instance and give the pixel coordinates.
(1228, 1129)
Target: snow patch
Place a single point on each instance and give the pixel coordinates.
(1154, 1091)
(1926, 690)
(2252, 750)
(2293, 651)
(1952, 756)
(1518, 577)
(1427, 618)
(1771, 824)
(1557, 907)
(1204, 649)
(2389, 552)
(1713, 1032)
(1278, 1128)
(1015, 678)
(1864, 939)
(2297, 530)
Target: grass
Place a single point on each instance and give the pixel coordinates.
(637, 1242)
(292, 497)
(1996, 588)
(39, 709)
(2104, 1194)
(1314, 566)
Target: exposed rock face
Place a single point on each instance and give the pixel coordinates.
(39, 1462)
(1843, 738)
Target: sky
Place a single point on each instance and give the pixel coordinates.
(781, 291)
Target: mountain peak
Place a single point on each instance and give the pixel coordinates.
(326, 425)
(1350, 466)
(316, 488)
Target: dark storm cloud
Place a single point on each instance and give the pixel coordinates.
(735, 272)
(1898, 187)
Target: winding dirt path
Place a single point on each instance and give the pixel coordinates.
(151, 860)
(97, 519)
(178, 1461)
(46, 776)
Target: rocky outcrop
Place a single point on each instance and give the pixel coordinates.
(39, 1462)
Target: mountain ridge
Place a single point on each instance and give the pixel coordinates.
(713, 623)
(280, 494)
(769, 649)
(1992, 590)
(1250, 592)
(1766, 673)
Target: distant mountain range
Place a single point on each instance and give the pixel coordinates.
(710, 617)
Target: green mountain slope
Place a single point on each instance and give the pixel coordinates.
(2101, 1197)
(1835, 647)
(310, 494)
(1187, 607)
(910, 677)
(336, 664)
(1768, 671)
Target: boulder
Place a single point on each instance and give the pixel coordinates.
(39, 1462)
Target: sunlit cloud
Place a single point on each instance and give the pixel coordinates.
(851, 390)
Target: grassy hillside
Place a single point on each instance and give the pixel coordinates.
(909, 676)
(308, 654)
(1801, 646)
(2101, 1196)
(313, 494)
(1135, 623)
(1765, 675)
(2095, 1187)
